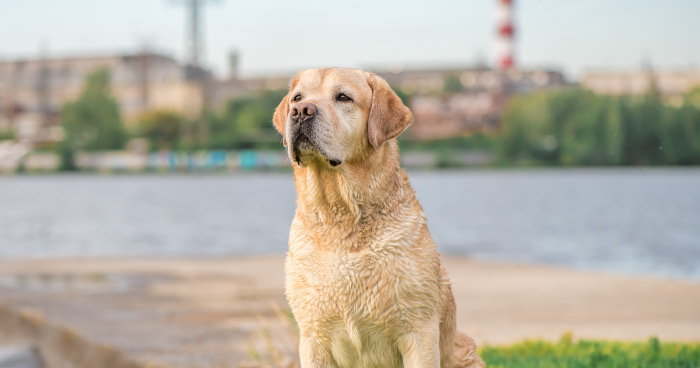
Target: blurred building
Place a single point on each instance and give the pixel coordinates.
(33, 90)
(234, 86)
(671, 84)
(445, 102)
(456, 114)
(225, 89)
(452, 102)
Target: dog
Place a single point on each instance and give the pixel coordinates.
(363, 276)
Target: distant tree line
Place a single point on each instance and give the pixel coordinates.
(578, 127)
(93, 122)
(243, 123)
(246, 122)
(556, 127)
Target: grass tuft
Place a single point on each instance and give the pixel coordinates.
(593, 353)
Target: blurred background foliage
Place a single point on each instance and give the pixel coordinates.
(578, 127)
(246, 123)
(92, 122)
(7, 134)
(163, 129)
(568, 126)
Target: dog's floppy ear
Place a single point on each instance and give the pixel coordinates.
(279, 118)
(388, 116)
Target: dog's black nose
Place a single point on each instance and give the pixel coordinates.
(302, 111)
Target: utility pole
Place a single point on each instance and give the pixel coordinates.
(194, 31)
(195, 46)
(42, 88)
(144, 76)
(194, 58)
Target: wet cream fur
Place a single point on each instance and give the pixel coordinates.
(363, 277)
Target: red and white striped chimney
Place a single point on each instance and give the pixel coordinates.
(505, 44)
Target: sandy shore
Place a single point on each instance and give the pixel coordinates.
(206, 312)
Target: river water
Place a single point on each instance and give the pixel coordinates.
(639, 221)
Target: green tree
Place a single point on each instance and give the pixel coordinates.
(453, 84)
(585, 138)
(7, 134)
(613, 132)
(692, 97)
(92, 122)
(680, 137)
(578, 127)
(527, 133)
(246, 122)
(162, 128)
(643, 127)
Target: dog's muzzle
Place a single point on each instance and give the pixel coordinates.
(302, 118)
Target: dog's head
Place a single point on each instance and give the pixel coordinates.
(334, 115)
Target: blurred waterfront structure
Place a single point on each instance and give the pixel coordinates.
(129, 161)
(161, 161)
(234, 87)
(32, 91)
(671, 84)
(445, 102)
(451, 102)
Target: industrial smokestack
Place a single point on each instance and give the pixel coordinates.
(233, 58)
(505, 44)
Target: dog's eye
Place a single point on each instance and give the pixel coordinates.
(342, 97)
(297, 98)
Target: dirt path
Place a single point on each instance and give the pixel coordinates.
(203, 313)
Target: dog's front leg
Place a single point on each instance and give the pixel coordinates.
(313, 354)
(421, 348)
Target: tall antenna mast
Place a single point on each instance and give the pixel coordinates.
(43, 85)
(194, 58)
(195, 47)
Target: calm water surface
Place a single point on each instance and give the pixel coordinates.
(631, 221)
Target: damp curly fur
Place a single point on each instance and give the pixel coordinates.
(363, 276)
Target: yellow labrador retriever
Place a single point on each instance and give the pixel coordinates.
(363, 277)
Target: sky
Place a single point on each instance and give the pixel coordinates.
(282, 36)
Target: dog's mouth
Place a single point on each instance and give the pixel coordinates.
(304, 146)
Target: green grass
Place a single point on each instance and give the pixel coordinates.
(566, 353)
(592, 353)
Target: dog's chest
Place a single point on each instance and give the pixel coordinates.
(350, 300)
(353, 287)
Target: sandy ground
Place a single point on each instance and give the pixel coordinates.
(205, 312)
